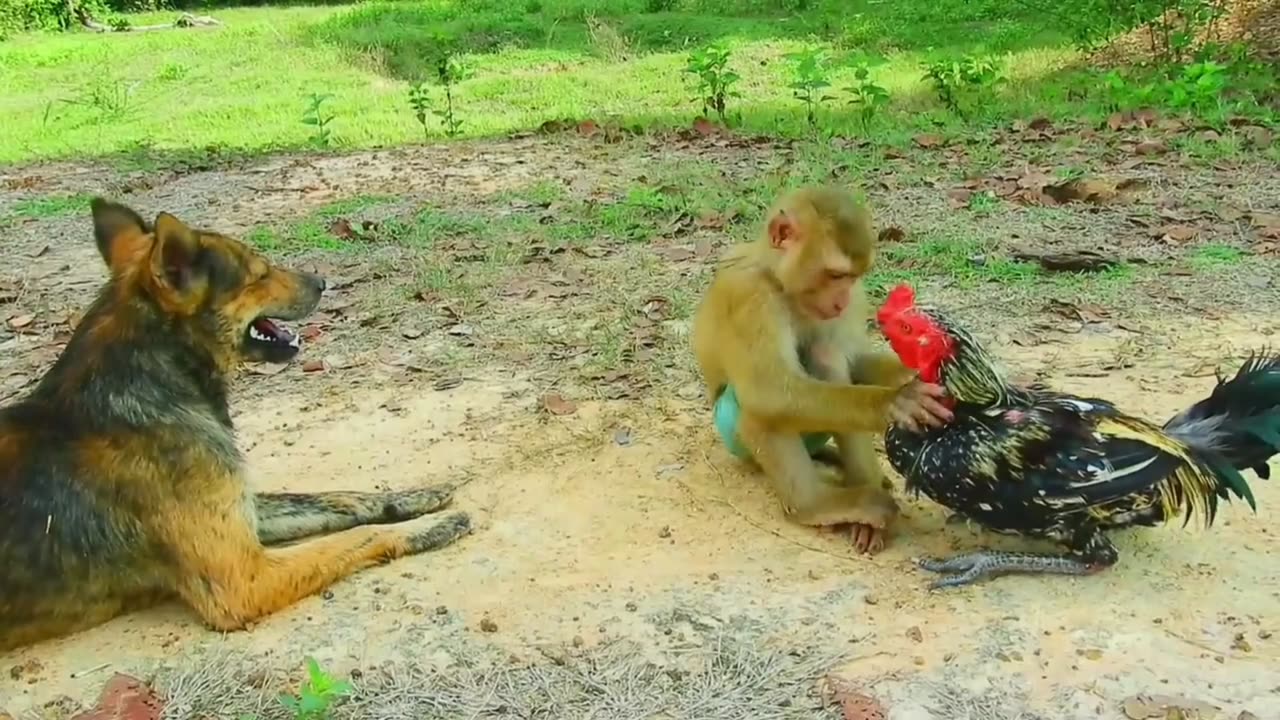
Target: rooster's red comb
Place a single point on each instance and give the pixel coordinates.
(900, 299)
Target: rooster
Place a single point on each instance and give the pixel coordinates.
(1033, 462)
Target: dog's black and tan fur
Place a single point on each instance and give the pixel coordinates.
(120, 481)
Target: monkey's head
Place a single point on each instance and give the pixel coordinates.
(825, 245)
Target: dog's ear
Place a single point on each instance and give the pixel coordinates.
(122, 236)
(179, 274)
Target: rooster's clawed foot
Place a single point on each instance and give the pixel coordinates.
(974, 566)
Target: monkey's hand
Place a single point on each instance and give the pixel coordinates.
(918, 405)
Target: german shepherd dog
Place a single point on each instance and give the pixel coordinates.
(120, 481)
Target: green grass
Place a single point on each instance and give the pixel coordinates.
(1213, 256)
(51, 206)
(244, 87)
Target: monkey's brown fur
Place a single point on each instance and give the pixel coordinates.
(120, 481)
(794, 372)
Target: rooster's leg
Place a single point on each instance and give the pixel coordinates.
(1091, 551)
(974, 566)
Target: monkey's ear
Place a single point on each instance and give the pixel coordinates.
(782, 231)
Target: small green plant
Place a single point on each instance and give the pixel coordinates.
(173, 71)
(449, 70)
(953, 80)
(1198, 87)
(709, 67)
(420, 101)
(867, 96)
(810, 77)
(657, 6)
(316, 117)
(315, 695)
(109, 98)
(982, 203)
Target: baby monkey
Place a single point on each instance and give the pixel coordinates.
(782, 343)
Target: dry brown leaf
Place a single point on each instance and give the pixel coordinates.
(18, 322)
(959, 197)
(1089, 190)
(1176, 233)
(1033, 181)
(705, 127)
(676, 253)
(1264, 220)
(1257, 135)
(1085, 312)
(656, 308)
(892, 234)
(313, 366)
(854, 705)
(712, 220)
(588, 128)
(1068, 261)
(1166, 707)
(447, 383)
(1150, 147)
(266, 368)
(556, 404)
(928, 140)
(341, 229)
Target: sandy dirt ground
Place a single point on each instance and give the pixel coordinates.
(581, 539)
(626, 524)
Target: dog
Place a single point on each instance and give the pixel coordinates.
(121, 485)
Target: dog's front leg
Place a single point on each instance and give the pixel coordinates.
(228, 577)
(290, 516)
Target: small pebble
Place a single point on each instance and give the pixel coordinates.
(665, 532)
(914, 633)
(488, 625)
(442, 610)
(578, 641)
(870, 599)
(631, 606)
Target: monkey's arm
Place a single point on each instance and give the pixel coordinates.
(879, 368)
(763, 364)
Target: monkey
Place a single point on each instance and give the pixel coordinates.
(780, 338)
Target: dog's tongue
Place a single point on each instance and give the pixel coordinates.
(272, 330)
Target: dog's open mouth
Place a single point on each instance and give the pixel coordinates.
(272, 335)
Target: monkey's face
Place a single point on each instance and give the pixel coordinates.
(819, 267)
(827, 278)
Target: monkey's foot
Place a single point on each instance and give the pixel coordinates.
(866, 539)
(977, 565)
